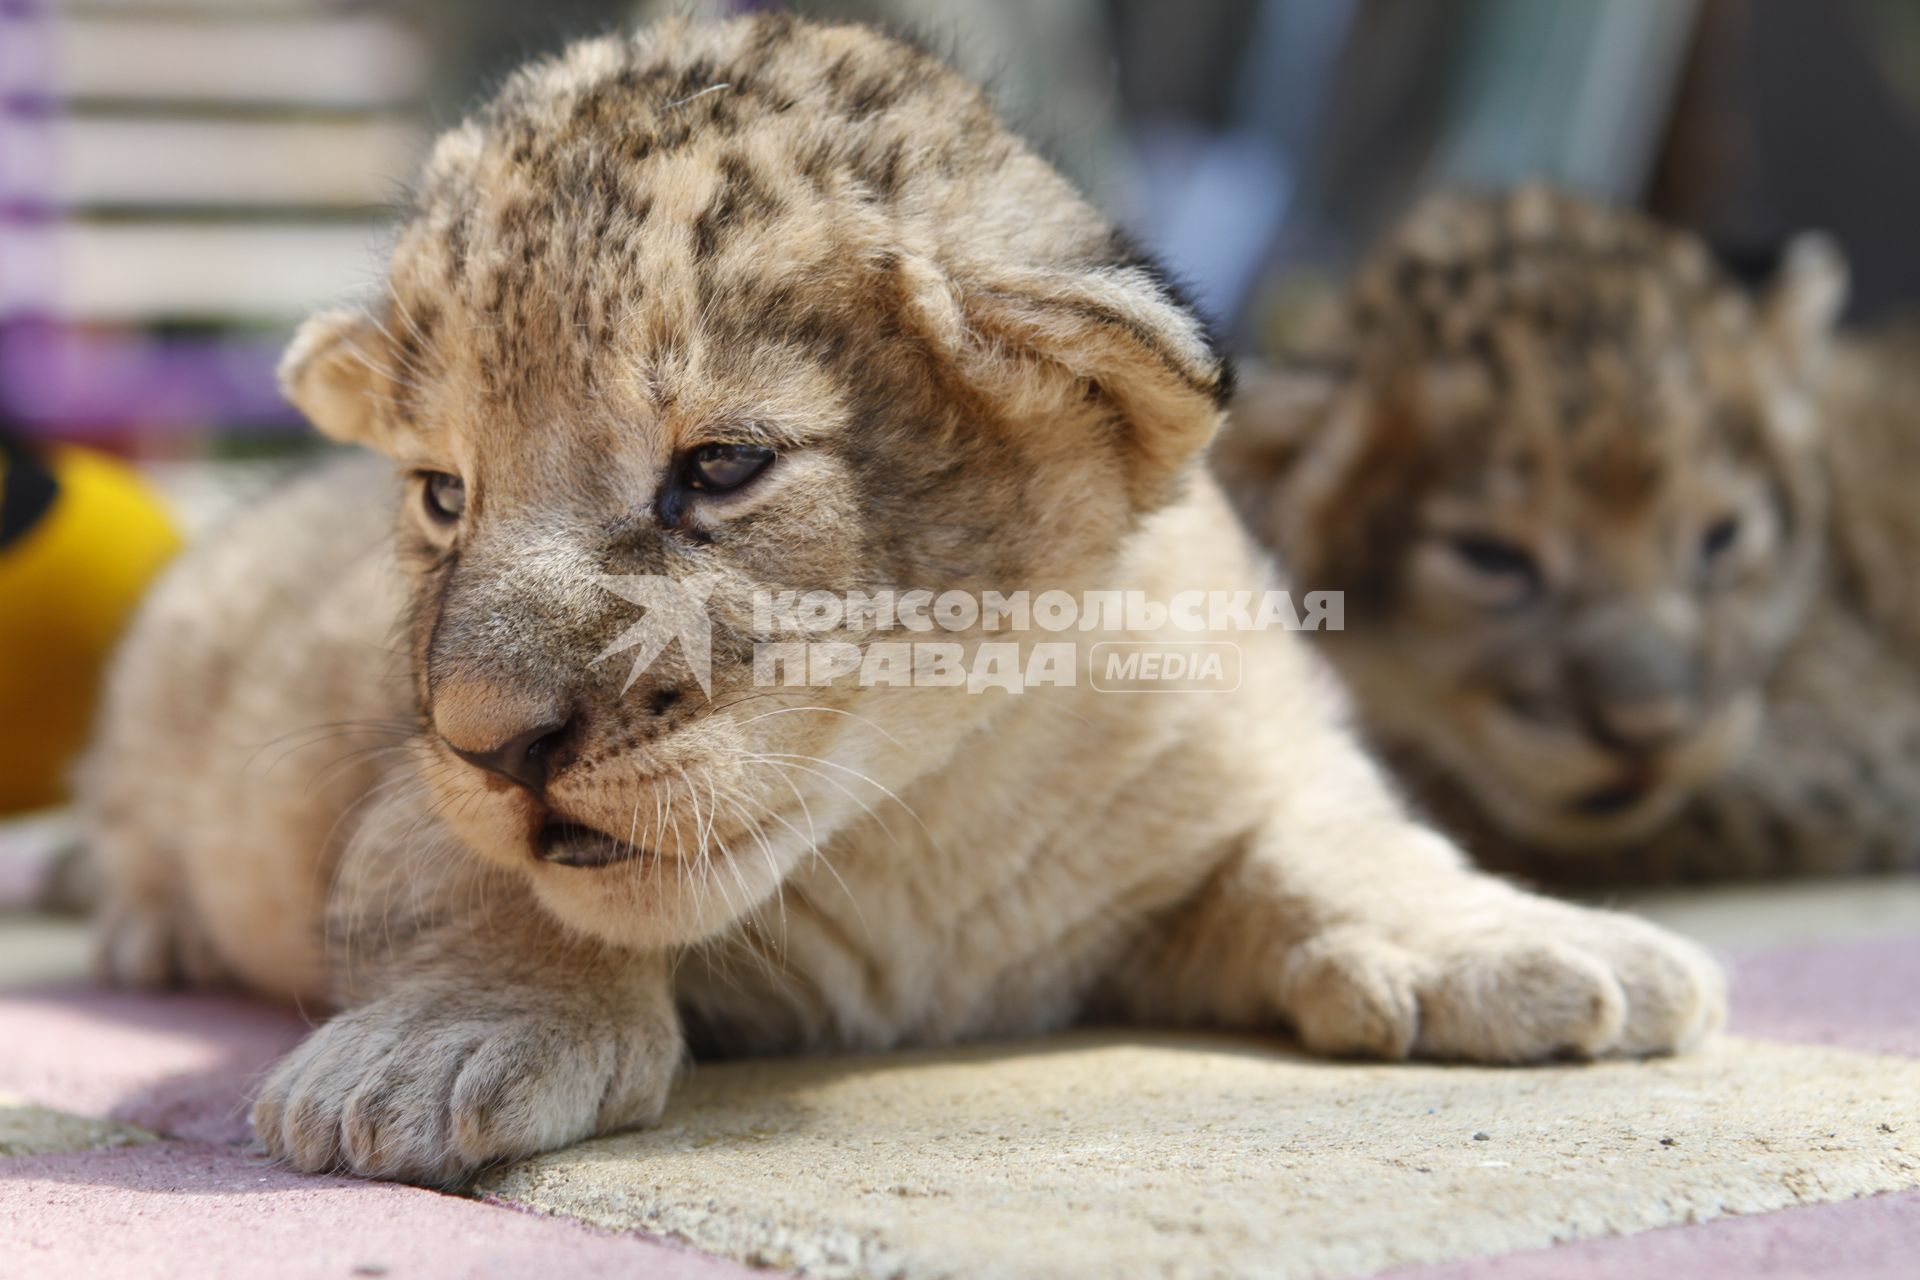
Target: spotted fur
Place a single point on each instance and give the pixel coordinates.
(1586, 496)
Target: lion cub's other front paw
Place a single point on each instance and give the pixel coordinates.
(427, 1090)
(1502, 977)
(152, 944)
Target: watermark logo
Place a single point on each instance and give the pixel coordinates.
(675, 609)
(1160, 666)
(1138, 643)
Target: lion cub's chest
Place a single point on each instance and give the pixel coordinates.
(926, 956)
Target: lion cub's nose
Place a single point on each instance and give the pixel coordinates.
(502, 731)
(521, 758)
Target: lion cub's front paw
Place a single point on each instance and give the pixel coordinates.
(1503, 978)
(428, 1090)
(153, 944)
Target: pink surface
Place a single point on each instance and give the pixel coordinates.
(188, 1209)
(1876, 1238)
(179, 1064)
(185, 1065)
(1862, 995)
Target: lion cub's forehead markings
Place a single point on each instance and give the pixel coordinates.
(616, 207)
(1461, 267)
(1609, 345)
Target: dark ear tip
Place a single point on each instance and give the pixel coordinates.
(1227, 379)
(1756, 263)
(1128, 253)
(1750, 261)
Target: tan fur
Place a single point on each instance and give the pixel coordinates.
(971, 383)
(1649, 699)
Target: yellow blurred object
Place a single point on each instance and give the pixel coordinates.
(75, 557)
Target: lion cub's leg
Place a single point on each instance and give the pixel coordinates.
(476, 1029)
(146, 934)
(475, 1056)
(1371, 935)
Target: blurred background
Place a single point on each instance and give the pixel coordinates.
(181, 179)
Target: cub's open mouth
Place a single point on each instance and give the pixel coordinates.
(574, 844)
(1615, 798)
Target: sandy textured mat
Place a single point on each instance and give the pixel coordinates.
(1220, 1157)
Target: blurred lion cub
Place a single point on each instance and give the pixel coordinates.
(761, 305)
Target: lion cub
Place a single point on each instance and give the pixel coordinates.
(1626, 548)
(763, 306)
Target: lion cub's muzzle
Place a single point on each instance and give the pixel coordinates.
(522, 740)
(516, 734)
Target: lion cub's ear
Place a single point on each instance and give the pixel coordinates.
(1804, 300)
(332, 372)
(1039, 340)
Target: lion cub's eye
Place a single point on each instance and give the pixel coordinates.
(1496, 558)
(1719, 538)
(445, 496)
(718, 468)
